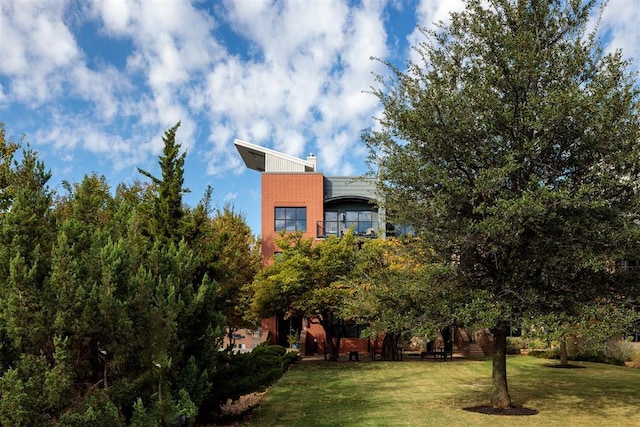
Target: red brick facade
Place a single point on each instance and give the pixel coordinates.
(290, 190)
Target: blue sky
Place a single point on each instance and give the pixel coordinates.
(95, 83)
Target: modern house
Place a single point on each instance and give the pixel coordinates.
(297, 197)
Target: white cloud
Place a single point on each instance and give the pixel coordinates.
(37, 49)
(620, 21)
(297, 89)
(304, 82)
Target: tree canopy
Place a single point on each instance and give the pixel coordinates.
(512, 146)
(395, 291)
(307, 280)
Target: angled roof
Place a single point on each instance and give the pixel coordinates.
(263, 159)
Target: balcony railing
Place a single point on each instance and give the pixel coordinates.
(338, 228)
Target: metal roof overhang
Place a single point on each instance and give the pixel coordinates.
(255, 157)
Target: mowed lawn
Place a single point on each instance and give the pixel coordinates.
(435, 393)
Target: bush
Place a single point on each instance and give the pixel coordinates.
(97, 410)
(244, 373)
(550, 353)
(620, 350)
(598, 358)
(514, 345)
(613, 353)
(276, 349)
(635, 360)
(536, 344)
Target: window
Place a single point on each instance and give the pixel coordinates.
(331, 223)
(337, 222)
(399, 230)
(291, 219)
(359, 220)
(348, 329)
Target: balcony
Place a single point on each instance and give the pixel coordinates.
(365, 229)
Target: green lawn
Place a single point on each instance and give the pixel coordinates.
(414, 393)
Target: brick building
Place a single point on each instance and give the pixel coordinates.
(297, 197)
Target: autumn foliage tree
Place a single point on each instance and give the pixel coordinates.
(309, 280)
(238, 260)
(511, 144)
(396, 291)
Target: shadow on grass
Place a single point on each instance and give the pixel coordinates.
(567, 366)
(513, 410)
(592, 391)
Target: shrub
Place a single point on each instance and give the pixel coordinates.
(514, 345)
(97, 410)
(619, 349)
(244, 373)
(536, 344)
(635, 360)
(276, 349)
(550, 353)
(616, 354)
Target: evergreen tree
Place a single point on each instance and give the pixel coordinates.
(26, 238)
(167, 213)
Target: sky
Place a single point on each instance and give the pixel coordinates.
(94, 84)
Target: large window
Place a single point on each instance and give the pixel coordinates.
(337, 222)
(291, 219)
(331, 224)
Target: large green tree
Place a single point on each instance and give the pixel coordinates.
(105, 316)
(511, 145)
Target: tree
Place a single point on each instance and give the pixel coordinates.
(105, 315)
(511, 145)
(307, 280)
(238, 258)
(26, 238)
(34, 366)
(167, 214)
(394, 291)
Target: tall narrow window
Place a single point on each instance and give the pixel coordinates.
(291, 219)
(331, 225)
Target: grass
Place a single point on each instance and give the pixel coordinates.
(414, 393)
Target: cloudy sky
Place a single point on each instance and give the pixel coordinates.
(95, 83)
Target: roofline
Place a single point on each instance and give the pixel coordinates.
(248, 153)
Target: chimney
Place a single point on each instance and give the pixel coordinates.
(313, 160)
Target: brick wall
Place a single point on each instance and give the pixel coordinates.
(290, 190)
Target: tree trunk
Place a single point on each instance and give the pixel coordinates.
(336, 347)
(389, 345)
(332, 350)
(232, 341)
(564, 357)
(500, 398)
